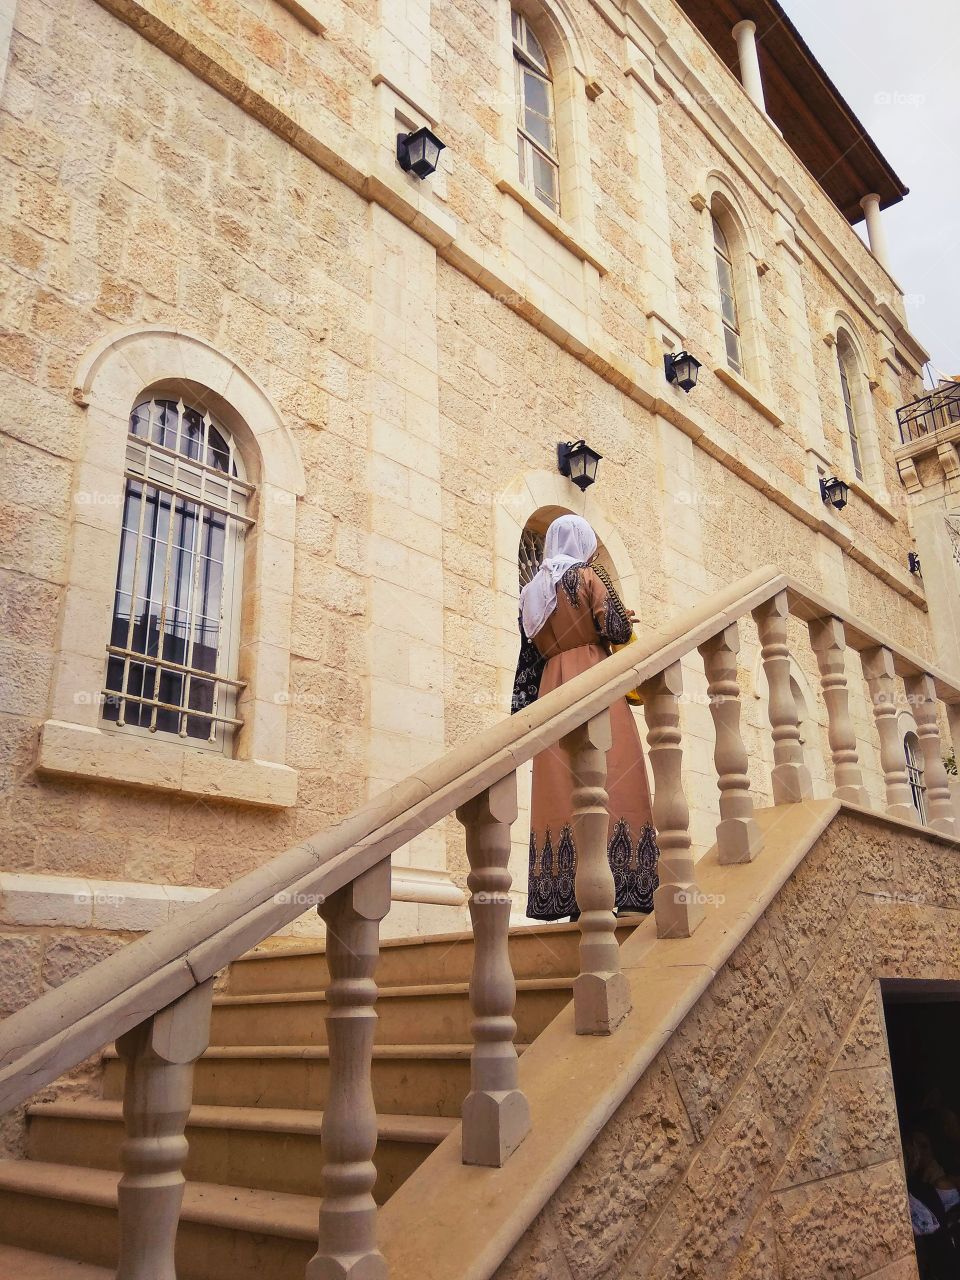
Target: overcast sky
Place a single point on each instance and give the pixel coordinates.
(897, 63)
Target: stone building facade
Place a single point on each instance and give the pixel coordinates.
(201, 203)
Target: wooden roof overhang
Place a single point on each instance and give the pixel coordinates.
(803, 101)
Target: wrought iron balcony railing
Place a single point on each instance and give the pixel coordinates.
(931, 413)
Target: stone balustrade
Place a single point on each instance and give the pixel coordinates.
(347, 871)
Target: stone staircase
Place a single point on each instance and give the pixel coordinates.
(253, 1169)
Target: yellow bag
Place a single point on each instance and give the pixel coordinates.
(633, 697)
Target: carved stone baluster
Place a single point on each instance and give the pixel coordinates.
(158, 1089)
(829, 643)
(496, 1115)
(739, 839)
(923, 697)
(790, 777)
(678, 904)
(881, 680)
(601, 994)
(347, 1247)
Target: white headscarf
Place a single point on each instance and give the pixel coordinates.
(569, 541)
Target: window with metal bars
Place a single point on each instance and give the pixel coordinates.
(847, 361)
(536, 124)
(914, 758)
(174, 643)
(729, 313)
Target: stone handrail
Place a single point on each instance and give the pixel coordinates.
(153, 997)
(65, 1025)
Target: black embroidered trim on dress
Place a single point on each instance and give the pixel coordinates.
(616, 628)
(571, 584)
(551, 885)
(526, 682)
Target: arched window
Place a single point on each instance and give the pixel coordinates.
(849, 375)
(914, 759)
(174, 641)
(536, 123)
(729, 311)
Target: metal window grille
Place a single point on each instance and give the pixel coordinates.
(172, 657)
(914, 759)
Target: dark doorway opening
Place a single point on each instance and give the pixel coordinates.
(923, 1032)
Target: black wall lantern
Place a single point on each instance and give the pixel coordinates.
(913, 561)
(834, 491)
(682, 369)
(578, 462)
(419, 152)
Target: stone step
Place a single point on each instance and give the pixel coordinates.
(266, 1148)
(546, 951)
(224, 1231)
(437, 1014)
(413, 1079)
(24, 1264)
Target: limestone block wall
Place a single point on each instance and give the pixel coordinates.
(762, 1142)
(229, 170)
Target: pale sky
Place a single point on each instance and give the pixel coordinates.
(897, 63)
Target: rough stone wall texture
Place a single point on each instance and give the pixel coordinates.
(132, 193)
(35, 960)
(762, 1142)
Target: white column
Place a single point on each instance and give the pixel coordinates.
(875, 233)
(745, 34)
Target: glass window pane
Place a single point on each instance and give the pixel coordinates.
(545, 179)
(191, 433)
(535, 48)
(724, 275)
(732, 344)
(539, 130)
(166, 424)
(218, 451)
(536, 93)
(515, 23)
(719, 239)
(140, 421)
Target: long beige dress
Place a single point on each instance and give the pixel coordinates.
(572, 641)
